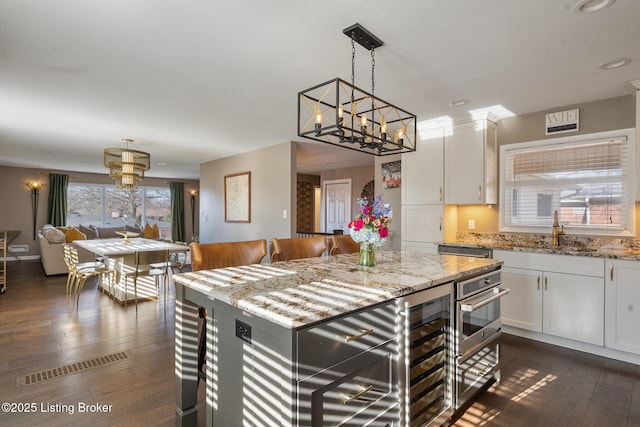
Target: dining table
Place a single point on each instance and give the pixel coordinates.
(119, 254)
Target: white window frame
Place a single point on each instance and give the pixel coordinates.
(103, 202)
(626, 230)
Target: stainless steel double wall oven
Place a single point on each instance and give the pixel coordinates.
(477, 327)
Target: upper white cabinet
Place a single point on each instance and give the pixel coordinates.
(622, 308)
(471, 164)
(423, 172)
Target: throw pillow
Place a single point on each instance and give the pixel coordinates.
(89, 231)
(74, 234)
(63, 229)
(54, 236)
(156, 231)
(147, 233)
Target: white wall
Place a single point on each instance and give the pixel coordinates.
(273, 189)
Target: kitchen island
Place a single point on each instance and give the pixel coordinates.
(271, 336)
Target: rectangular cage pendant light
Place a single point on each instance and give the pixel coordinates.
(340, 113)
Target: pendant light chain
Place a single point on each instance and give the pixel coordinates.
(353, 66)
(373, 72)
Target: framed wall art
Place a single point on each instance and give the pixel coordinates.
(391, 174)
(237, 197)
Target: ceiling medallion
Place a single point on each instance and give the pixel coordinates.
(339, 113)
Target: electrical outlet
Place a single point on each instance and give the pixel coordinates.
(243, 331)
(472, 224)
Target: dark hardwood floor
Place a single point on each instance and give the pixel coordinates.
(542, 385)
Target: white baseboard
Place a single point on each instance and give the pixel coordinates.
(575, 345)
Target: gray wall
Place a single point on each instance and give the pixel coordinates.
(596, 116)
(273, 183)
(15, 213)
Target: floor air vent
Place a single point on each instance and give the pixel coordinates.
(75, 367)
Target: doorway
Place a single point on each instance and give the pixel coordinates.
(337, 204)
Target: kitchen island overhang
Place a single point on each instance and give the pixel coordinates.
(258, 376)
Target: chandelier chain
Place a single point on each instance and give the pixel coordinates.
(353, 64)
(373, 72)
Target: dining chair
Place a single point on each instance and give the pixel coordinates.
(79, 272)
(297, 247)
(343, 244)
(71, 260)
(146, 265)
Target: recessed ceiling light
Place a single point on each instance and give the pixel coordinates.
(162, 164)
(616, 63)
(458, 103)
(586, 7)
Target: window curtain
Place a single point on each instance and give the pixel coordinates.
(177, 211)
(57, 212)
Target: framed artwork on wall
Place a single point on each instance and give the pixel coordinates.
(237, 197)
(391, 177)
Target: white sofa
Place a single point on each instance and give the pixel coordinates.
(52, 256)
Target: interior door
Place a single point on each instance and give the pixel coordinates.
(337, 202)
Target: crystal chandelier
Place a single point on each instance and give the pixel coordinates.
(339, 113)
(126, 166)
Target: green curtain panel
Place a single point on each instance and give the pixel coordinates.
(177, 211)
(57, 214)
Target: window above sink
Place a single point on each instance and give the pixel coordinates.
(587, 179)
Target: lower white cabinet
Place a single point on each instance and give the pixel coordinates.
(522, 306)
(554, 294)
(573, 307)
(622, 308)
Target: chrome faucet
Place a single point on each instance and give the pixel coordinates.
(556, 230)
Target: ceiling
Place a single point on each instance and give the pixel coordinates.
(194, 81)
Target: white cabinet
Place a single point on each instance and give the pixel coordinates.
(422, 223)
(423, 172)
(522, 306)
(422, 195)
(573, 307)
(471, 164)
(622, 308)
(554, 294)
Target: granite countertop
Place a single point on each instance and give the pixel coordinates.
(298, 293)
(574, 247)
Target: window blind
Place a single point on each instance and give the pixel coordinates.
(586, 182)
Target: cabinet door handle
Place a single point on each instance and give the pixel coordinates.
(479, 192)
(358, 395)
(440, 193)
(349, 338)
(538, 282)
(611, 272)
(440, 223)
(546, 283)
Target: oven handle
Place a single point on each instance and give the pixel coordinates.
(493, 297)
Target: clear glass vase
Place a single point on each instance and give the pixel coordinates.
(367, 255)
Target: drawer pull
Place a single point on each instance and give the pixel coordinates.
(481, 373)
(358, 395)
(349, 338)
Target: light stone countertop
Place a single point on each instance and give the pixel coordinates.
(602, 251)
(298, 293)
